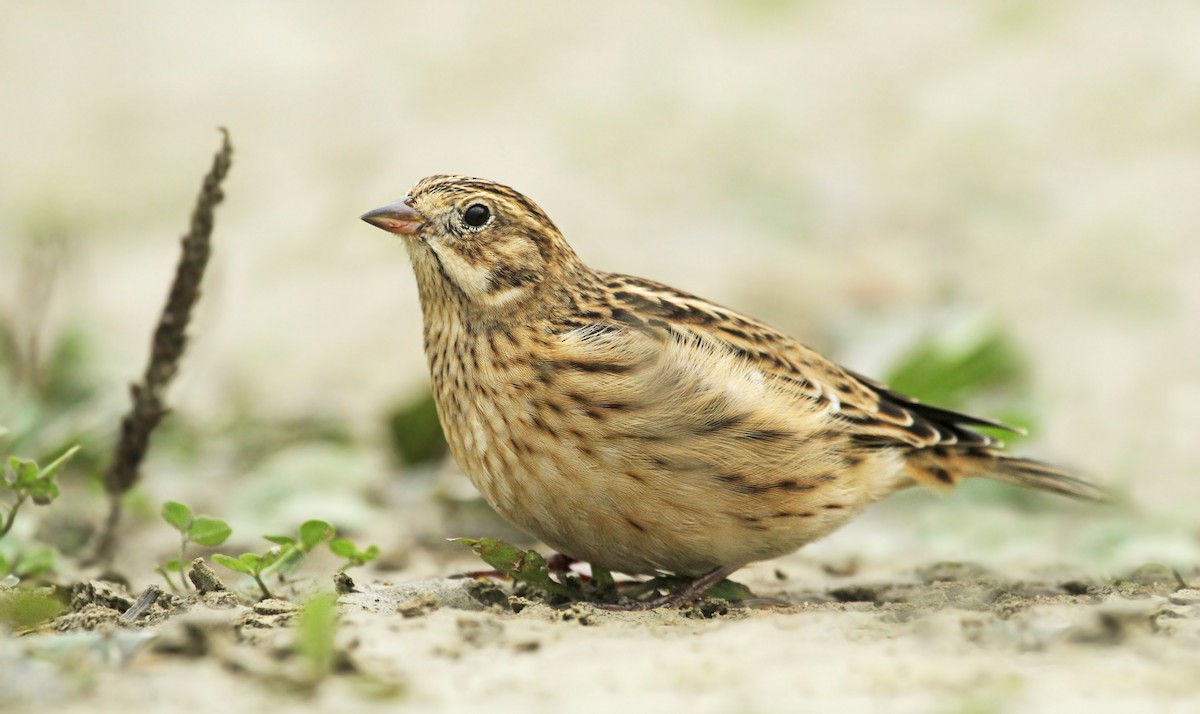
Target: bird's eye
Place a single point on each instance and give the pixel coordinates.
(476, 215)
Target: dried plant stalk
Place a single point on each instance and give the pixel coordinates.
(170, 341)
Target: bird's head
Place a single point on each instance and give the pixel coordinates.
(485, 241)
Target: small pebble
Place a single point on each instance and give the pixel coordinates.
(1185, 597)
(274, 607)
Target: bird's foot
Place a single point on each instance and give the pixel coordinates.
(684, 595)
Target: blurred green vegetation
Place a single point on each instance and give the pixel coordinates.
(316, 628)
(47, 396)
(22, 610)
(950, 372)
(978, 368)
(415, 434)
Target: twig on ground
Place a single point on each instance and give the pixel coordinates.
(170, 341)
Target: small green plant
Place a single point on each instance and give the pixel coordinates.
(201, 530)
(289, 551)
(25, 481)
(253, 564)
(526, 566)
(316, 627)
(310, 534)
(349, 552)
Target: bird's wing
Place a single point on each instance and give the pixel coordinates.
(874, 414)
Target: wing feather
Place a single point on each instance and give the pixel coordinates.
(876, 415)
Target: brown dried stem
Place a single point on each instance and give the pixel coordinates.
(170, 341)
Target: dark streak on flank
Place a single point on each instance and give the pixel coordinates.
(721, 424)
(741, 484)
(642, 436)
(752, 522)
(594, 367)
(766, 435)
(541, 424)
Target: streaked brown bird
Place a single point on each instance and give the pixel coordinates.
(646, 430)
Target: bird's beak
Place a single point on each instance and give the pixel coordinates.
(398, 217)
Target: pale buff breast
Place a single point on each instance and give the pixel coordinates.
(643, 455)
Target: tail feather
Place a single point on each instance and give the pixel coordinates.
(1029, 473)
(942, 469)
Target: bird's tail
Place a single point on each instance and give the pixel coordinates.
(942, 469)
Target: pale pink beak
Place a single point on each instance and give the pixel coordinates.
(398, 217)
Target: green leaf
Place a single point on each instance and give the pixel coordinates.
(281, 539)
(526, 566)
(724, 590)
(253, 561)
(177, 515)
(173, 566)
(208, 531)
(5, 569)
(602, 581)
(233, 563)
(25, 472)
(343, 548)
(58, 463)
(44, 490)
(313, 533)
(729, 590)
(272, 555)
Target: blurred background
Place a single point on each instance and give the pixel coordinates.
(991, 204)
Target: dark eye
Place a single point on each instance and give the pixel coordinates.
(476, 215)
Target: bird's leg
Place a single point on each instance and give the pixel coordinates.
(560, 563)
(682, 596)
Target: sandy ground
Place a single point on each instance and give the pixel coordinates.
(861, 175)
(949, 637)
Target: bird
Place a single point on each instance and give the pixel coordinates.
(644, 429)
